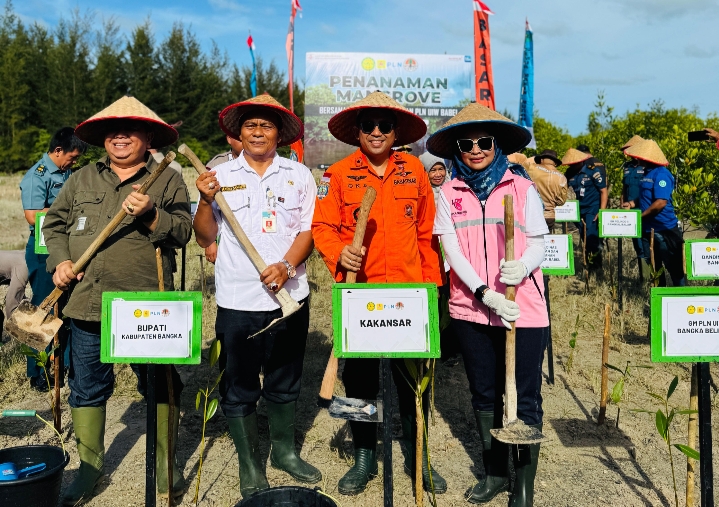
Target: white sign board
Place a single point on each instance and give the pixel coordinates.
(385, 321)
(38, 227)
(151, 329)
(691, 325)
(619, 223)
(568, 212)
(556, 251)
(705, 259)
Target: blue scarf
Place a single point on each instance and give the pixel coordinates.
(483, 182)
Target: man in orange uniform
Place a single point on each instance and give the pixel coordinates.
(397, 247)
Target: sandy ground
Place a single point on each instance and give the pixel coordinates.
(583, 464)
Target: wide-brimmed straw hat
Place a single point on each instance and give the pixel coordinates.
(94, 129)
(634, 140)
(509, 136)
(649, 151)
(231, 117)
(409, 128)
(574, 156)
(550, 154)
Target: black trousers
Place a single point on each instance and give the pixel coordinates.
(483, 349)
(279, 352)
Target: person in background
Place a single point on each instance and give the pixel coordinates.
(590, 187)
(39, 188)
(655, 201)
(471, 223)
(260, 183)
(438, 175)
(551, 184)
(633, 172)
(594, 161)
(221, 158)
(13, 272)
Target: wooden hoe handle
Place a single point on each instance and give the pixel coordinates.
(510, 403)
(330, 377)
(84, 259)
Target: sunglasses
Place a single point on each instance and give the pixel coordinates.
(385, 127)
(483, 143)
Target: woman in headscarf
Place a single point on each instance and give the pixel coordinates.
(470, 223)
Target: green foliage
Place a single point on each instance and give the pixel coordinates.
(618, 389)
(42, 359)
(60, 76)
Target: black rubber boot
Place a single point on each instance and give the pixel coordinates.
(409, 432)
(282, 435)
(525, 465)
(89, 426)
(364, 436)
(247, 443)
(496, 460)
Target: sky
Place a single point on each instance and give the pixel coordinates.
(635, 51)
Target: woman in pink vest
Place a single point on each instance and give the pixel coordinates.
(470, 223)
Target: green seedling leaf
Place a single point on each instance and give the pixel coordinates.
(573, 342)
(641, 411)
(411, 368)
(25, 350)
(214, 352)
(661, 423)
(211, 408)
(670, 418)
(656, 396)
(687, 411)
(197, 400)
(425, 383)
(217, 381)
(617, 391)
(672, 386)
(688, 451)
(614, 368)
(42, 357)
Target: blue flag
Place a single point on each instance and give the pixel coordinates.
(526, 97)
(253, 79)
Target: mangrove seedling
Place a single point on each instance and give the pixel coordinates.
(578, 324)
(209, 407)
(663, 420)
(618, 388)
(41, 358)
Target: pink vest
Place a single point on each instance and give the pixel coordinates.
(481, 239)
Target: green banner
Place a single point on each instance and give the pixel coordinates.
(40, 247)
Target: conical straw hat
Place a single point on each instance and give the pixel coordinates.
(231, 116)
(574, 156)
(634, 140)
(410, 127)
(649, 151)
(93, 130)
(509, 136)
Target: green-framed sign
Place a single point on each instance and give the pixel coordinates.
(685, 324)
(151, 327)
(620, 223)
(567, 212)
(40, 247)
(385, 320)
(558, 254)
(702, 259)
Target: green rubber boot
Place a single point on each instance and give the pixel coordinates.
(243, 431)
(409, 432)
(525, 465)
(355, 480)
(89, 426)
(178, 483)
(496, 460)
(282, 435)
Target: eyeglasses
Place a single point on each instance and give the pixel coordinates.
(483, 143)
(385, 127)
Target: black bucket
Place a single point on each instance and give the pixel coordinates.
(287, 496)
(39, 490)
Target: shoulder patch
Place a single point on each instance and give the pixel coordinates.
(323, 189)
(40, 169)
(662, 183)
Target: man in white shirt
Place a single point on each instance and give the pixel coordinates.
(273, 199)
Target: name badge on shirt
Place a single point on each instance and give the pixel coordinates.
(81, 223)
(269, 221)
(581, 192)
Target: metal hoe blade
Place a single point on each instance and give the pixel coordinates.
(287, 311)
(353, 409)
(32, 325)
(517, 433)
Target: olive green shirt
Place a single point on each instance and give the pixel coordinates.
(88, 201)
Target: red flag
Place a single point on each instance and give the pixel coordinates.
(484, 81)
(290, 48)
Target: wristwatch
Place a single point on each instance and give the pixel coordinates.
(479, 293)
(291, 271)
(145, 217)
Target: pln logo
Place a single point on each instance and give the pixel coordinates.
(148, 313)
(691, 309)
(368, 63)
(372, 306)
(711, 249)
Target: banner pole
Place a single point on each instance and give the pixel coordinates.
(387, 432)
(620, 281)
(706, 472)
(151, 439)
(550, 353)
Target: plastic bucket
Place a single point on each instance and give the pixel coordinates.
(287, 496)
(39, 490)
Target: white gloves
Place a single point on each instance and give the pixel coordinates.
(512, 272)
(507, 310)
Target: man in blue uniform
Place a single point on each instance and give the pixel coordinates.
(655, 201)
(38, 188)
(633, 172)
(589, 183)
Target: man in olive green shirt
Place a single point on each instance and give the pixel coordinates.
(125, 262)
